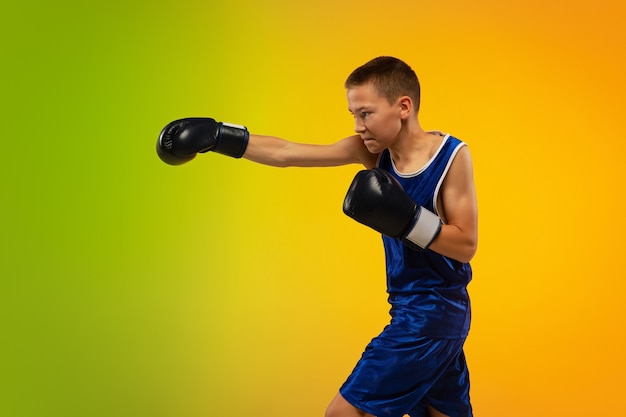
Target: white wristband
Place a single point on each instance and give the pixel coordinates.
(426, 228)
(236, 126)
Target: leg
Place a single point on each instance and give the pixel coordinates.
(450, 394)
(339, 407)
(434, 413)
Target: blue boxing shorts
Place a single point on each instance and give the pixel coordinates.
(400, 373)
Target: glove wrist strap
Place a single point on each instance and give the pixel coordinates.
(426, 229)
(232, 140)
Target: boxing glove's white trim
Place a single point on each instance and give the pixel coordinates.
(426, 229)
(236, 126)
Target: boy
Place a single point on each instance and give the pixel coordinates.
(417, 189)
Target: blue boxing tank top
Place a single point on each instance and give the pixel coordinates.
(427, 291)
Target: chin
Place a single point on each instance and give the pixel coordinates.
(374, 147)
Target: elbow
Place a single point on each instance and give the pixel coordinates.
(462, 251)
(467, 255)
(467, 251)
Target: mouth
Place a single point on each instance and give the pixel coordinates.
(370, 143)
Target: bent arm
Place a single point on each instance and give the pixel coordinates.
(457, 206)
(277, 152)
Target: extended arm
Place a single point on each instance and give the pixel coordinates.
(273, 151)
(181, 140)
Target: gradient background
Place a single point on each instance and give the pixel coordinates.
(225, 288)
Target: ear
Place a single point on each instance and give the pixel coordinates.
(405, 105)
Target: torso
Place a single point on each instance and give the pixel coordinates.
(420, 158)
(427, 290)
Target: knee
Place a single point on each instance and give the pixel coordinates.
(332, 410)
(339, 407)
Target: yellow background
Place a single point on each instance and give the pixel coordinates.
(221, 287)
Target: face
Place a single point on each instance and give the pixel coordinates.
(376, 121)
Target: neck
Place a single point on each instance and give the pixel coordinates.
(411, 140)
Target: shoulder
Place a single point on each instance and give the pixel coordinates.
(453, 148)
(461, 161)
(354, 148)
(459, 180)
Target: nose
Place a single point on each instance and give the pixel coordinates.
(359, 126)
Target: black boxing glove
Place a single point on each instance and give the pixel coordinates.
(376, 199)
(181, 140)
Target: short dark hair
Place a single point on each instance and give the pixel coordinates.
(390, 76)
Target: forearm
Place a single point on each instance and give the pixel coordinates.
(268, 150)
(455, 243)
(277, 152)
(181, 140)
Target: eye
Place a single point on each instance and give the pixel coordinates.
(364, 114)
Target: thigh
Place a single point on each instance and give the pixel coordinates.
(449, 395)
(396, 371)
(339, 407)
